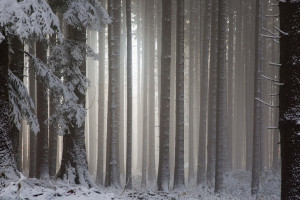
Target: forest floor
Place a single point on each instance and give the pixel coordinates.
(237, 186)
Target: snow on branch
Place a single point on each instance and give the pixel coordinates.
(268, 31)
(268, 78)
(28, 18)
(84, 14)
(282, 32)
(270, 36)
(275, 64)
(273, 127)
(21, 104)
(270, 105)
(279, 84)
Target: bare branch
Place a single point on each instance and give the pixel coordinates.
(275, 64)
(268, 78)
(270, 105)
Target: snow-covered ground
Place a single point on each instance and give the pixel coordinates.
(237, 186)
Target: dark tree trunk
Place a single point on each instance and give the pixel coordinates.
(163, 168)
(128, 181)
(111, 178)
(289, 99)
(257, 105)
(52, 156)
(16, 65)
(42, 162)
(32, 92)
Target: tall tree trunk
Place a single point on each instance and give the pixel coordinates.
(163, 168)
(151, 96)
(221, 101)
(128, 181)
(52, 129)
(203, 90)
(32, 92)
(16, 65)
(145, 93)
(179, 145)
(257, 104)
(42, 162)
(101, 107)
(289, 98)
(7, 160)
(211, 146)
(192, 58)
(111, 178)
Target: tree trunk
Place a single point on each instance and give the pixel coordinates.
(52, 129)
(101, 107)
(211, 134)
(163, 168)
(289, 99)
(220, 113)
(203, 100)
(42, 162)
(179, 145)
(128, 181)
(257, 104)
(151, 96)
(32, 92)
(111, 178)
(16, 65)
(191, 86)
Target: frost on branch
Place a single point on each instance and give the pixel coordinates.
(21, 105)
(68, 109)
(84, 14)
(26, 18)
(65, 61)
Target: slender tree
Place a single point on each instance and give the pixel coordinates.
(163, 168)
(204, 64)
(111, 178)
(220, 113)
(179, 146)
(101, 106)
(257, 104)
(42, 160)
(129, 96)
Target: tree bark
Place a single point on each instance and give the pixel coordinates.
(128, 181)
(221, 101)
(257, 104)
(32, 92)
(111, 178)
(203, 92)
(179, 145)
(42, 162)
(163, 168)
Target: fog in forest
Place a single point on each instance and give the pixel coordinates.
(203, 92)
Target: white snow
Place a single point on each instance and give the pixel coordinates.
(237, 186)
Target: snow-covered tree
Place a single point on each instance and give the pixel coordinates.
(23, 19)
(68, 60)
